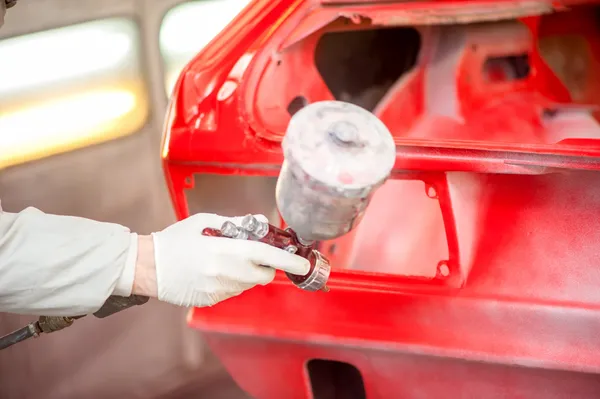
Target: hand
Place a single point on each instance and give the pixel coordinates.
(190, 269)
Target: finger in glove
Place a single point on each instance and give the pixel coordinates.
(267, 255)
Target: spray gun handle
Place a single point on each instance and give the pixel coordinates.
(209, 231)
(318, 274)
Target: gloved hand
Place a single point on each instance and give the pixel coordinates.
(196, 270)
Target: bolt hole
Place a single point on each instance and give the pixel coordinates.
(297, 104)
(278, 62)
(188, 180)
(443, 270)
(431, 192)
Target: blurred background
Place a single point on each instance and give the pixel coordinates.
(84, 85)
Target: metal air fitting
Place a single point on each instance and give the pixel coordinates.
(316, 279)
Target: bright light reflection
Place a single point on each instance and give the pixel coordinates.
(41, 130)
(64, 54)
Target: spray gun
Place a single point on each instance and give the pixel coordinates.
(336, 155)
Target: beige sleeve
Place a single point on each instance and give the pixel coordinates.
(62, 265)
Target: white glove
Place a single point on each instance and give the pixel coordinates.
(197, 270)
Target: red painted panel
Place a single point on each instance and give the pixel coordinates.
(475, 272)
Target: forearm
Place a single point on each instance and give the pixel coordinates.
(67, 266)
(145, 269)
(60, 265)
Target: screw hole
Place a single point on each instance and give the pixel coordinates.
(188, 180)
(297, 104)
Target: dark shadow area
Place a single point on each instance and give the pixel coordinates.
(335, 380)
(297, 104)
(361, 66)
(504, 69)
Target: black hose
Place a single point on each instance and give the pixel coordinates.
(21, 334)
(49, 324)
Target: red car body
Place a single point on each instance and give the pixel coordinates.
(475, 271)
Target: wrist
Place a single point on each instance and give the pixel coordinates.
(144, 282)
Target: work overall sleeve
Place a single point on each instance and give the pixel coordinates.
(61, 265)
